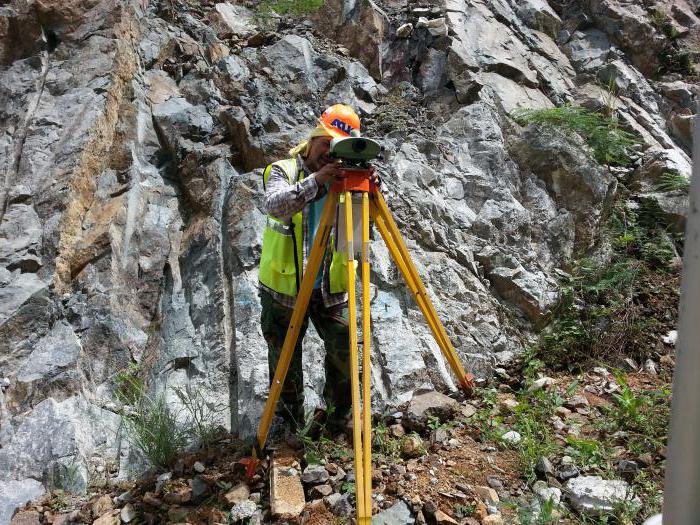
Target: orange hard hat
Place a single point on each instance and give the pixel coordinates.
(340, 121)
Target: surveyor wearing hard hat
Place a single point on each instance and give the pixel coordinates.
(295, 193)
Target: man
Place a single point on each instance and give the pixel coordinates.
(295, 193)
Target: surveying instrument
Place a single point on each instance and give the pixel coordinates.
(355, 178)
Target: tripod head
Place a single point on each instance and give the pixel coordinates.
(355, 154)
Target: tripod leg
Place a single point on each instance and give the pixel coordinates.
(366, 364)
(354, 365)
(300, 305)
(397, 248)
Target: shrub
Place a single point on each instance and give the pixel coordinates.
(609, 142)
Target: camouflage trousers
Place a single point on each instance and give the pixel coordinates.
(332, 325)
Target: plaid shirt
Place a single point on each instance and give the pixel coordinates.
(282, 200)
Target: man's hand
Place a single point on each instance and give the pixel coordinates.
(327, 173)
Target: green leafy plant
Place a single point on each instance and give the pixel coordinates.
(673, 181)
(348, 487)
(385, 445)
(610, 143)
(464, 511)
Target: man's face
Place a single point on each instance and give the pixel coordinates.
(318, 154)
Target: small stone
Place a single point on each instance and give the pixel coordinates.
(577, 402)
(511, 437)
(242, 511)
(568, 472)
(494, 482)
(404, 31)
(542, 383)
(507, 406)
(492, 519)
(125, 497)
(396, 514)
(442, 518)
(108, 518)
(397, 430)
(237, 494)
(650, 367)
(315, 474)
(436, 26)
(320, 491)
(161, 480)
(199, 467)
(627, 467)
(412, 446)
(544, 467)
(128, 513)
(102, 505)
(562, 412)
(487, 494)
(546, 493)
(468, 410)
(670, 338)
(199, 488)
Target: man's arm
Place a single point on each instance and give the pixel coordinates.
(283, 199)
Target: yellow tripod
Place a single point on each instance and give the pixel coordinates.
(374, 207)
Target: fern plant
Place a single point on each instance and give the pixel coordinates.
(609, 142)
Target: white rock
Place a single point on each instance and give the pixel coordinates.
(540, 384)
(404, 31)
(511, 437)
(670, 338)
(199, 467)
(128, 513)
(547, 493)
(243, 510)
(593, 495)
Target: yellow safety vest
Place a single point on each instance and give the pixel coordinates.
(280, 270)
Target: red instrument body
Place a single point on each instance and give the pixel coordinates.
(354, 179)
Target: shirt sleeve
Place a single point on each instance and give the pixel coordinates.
(282, 199)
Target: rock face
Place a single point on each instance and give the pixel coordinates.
(131, 200)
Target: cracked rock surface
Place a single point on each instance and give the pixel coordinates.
(133, 137)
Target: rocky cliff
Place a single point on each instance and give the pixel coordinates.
(130, 206)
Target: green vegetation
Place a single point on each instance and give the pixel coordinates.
(638, 419)
(153, 428)
(673, 182)
(532, 421)
(384, 443)
(609, 142)
(202, 423)
(663, 23)
(287, 7)
(603, 313)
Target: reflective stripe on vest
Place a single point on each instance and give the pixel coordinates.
(279, 270)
